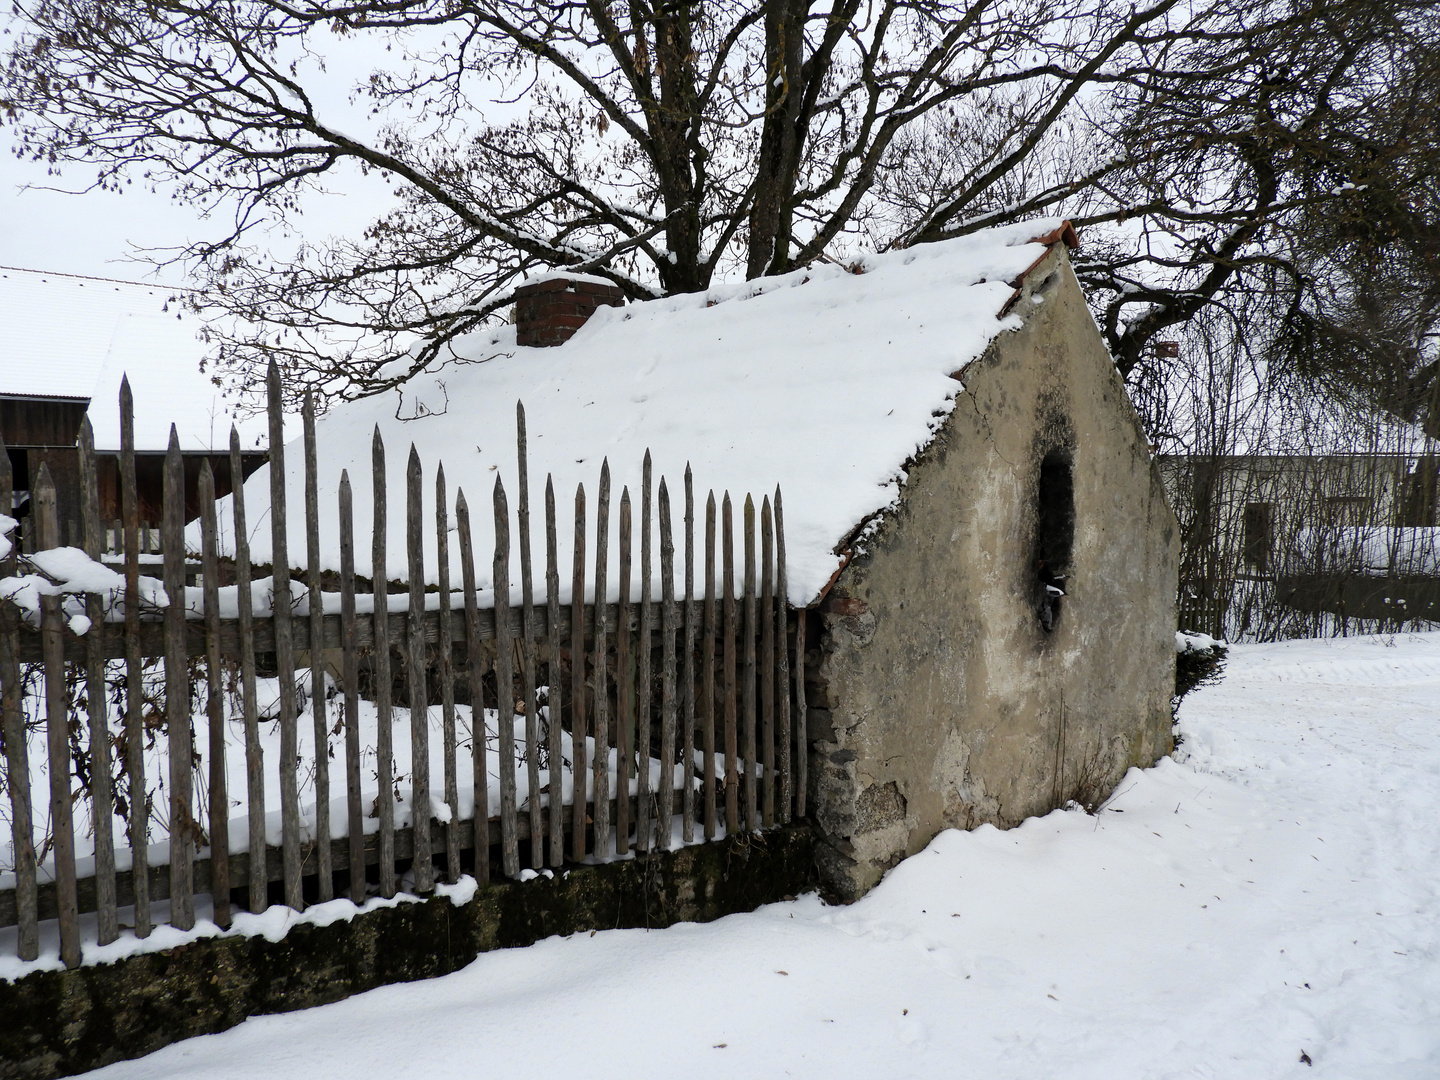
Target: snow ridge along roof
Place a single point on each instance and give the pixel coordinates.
(824, 381)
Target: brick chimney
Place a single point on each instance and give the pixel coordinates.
(548, 312)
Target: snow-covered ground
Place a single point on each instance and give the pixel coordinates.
(1267, 905)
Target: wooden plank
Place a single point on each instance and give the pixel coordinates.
(687, 674)
(384, 682)
(17, 756)
(254, 757)
(284, 648)
(475, 671)
(767, 663)
(668, 630)
(444, 670)
(151, 636)
(527, 642)
(57, 730)
(802, 737)
(350, 677)
(505, 686)
(602, 793)
(644, 643)
(577, 681)
(424, 864)
(707, 673)
(102, 796)
(45, 517)
(747, 678)
(134, 672)
(730, 633)
(624, 680)
(183, 825)
(553, 680)
(782, 665)
(219, 808)
(319, 711)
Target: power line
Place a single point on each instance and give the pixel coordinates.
(92, 277)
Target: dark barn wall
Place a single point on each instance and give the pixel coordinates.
(149, 482)
(26, 422)
(44, 431)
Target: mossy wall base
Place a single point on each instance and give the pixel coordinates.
(57, 1023)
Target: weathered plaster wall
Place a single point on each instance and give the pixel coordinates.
(940, 700)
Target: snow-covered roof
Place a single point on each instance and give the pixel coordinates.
(824, 381)
(67, 336)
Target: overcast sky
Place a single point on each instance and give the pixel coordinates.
(99, 233)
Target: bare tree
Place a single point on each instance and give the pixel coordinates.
(663, 144)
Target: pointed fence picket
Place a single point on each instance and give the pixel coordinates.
(715, 707)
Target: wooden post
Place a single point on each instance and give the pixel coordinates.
(424, 862)
(577, 687)
(645, 810)
(527, 648)
(802, 738)
(57, 727)
(258, 879)
(350, 676)
(384, 683)
(602, 694)
(707, 671)
(102, 798)
(730, 632)
(668, 631)
(687, 674)
(782, 661)
(505, 686)
(319, 711)
(624, 702)
(134, 670)
(284, 649)
(475, 669)
(17, 757)
(183, 825)
(445, 672)
(556, 817)
(767, 662)
(747, 680)
(214, 703)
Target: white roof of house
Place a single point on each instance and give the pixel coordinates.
(825, 381)
(67, 336)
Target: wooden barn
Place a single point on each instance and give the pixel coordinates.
(69, 342)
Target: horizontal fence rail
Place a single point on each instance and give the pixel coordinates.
(253, 757)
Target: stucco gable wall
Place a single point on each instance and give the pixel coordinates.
(940, 701)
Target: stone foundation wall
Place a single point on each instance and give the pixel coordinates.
(58, 1023)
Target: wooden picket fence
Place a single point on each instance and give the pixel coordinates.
(730, 658)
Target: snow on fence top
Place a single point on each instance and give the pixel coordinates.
(824, 381)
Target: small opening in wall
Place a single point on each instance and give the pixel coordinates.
(1054, 534)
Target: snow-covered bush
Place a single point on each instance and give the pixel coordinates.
(1199, 659)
